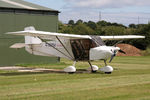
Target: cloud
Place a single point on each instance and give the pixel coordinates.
(123, 18)
(119, 11)
(105, 3)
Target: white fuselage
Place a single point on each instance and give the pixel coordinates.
(45, 49)
(64, 49)
(97, 53)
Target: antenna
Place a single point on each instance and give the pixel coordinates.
(138, 19)
(100, 16)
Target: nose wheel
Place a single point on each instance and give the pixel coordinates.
(108, 72)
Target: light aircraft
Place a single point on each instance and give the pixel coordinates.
(73, 47)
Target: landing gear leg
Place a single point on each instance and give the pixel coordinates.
(93, 71)
(105, 62)
(74, 63)
(74, 67)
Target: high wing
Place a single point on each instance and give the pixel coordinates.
(49, 35)
(52, 35)
(63, 45)
(121, 37)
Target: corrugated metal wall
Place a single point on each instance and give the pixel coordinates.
(16, 22)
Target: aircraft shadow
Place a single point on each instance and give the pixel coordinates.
(79, 71)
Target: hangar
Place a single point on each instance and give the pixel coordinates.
(14, 16)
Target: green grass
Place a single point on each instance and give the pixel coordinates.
(129, 81)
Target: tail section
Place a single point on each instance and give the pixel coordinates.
(30, 28)
(31, 39)
(33, 44)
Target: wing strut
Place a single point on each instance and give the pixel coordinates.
(56, 49)
(64, 47)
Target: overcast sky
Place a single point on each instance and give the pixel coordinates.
(120, 11)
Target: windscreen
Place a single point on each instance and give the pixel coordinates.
(98, 40)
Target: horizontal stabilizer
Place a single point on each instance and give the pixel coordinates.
(18, 45)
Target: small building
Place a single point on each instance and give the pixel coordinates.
(15, 15)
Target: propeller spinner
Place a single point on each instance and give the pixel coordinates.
(116, 49)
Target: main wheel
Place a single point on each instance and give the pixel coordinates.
(70, 69)
(94, 67)
(71, 72)
(107, 72)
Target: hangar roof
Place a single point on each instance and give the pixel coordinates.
(20, 4)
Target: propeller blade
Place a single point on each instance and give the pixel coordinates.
(118, 43)
(121, 51)
(112, 57)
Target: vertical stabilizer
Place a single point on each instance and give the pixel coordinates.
(30, 28)
(31, 39)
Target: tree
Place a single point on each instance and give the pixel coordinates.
(82, 29)
(60, 26)
(71, 22)
(130, 31)
(132, 26)
(67, 29)
(143, 43)
(103, 23)
(92, 25)
(113, 30)
(99, 31)
(79, 22)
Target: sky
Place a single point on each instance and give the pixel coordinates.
(121, 11)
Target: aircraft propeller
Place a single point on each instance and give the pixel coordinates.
(121, 51)
(114, 54)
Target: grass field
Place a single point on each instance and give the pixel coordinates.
(129, 81)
